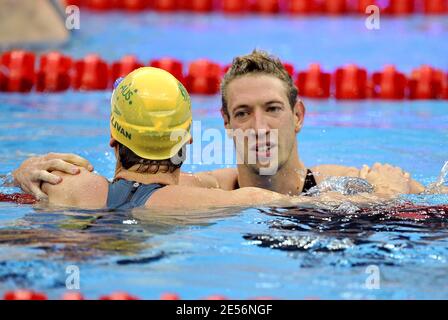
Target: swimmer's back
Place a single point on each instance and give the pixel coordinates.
(125, 195)
(91, 191)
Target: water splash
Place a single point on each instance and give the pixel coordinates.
(443, 174)
(343, 185)
(436, 187)
(376, 230)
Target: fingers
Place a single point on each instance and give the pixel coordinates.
(376, 166)
(22, 181)
(61, 165)
(387, 167)
(71, 158)
(364, 172)
(44, 176)
(35, 191)
(32, 185)
(400, 171)
(417, 187)
(33, 171)
(24, 187)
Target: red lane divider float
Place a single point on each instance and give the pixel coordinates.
(19, 198)
(165, 5)
(119, 296)
(21, 75)
(302, 7)
(57, 72)
(199, 6)
(23, 294)
(235, 6)
(400, 7)
(123, 67)
(54, 72)
(203, 77)
(336, 7)
(3, 81)
(216, 297)
(135, 5)
(289, 68)
(173, 66)
(428, 83)
(364, 4)
(90, 73)
(78, 3)
(170, 296)
(389, 84)
(435, 6)
(351, 83)
(72, 296)
(314, 83)
(102, 5)
(266, 7)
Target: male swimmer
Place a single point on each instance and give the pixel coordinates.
(258, 94)
(148, 108)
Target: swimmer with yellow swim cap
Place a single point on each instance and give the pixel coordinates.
(150, 126)
(148, 108)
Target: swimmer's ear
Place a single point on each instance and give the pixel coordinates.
(227, 126)
(112, 142)
(299, 115)
(226, 119)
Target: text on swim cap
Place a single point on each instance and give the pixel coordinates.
(127, 93)
(183, 91)
(120, 129)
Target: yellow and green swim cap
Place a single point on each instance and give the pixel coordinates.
(151, 113)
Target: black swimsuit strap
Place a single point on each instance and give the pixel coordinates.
(310, 181)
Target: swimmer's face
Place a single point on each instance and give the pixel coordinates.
(260, 102)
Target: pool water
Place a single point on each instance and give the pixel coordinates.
(284, 253)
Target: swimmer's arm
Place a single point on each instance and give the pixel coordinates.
(225, 179)
(85, 190)
(325, 171)
(416, 187)
(191, 198)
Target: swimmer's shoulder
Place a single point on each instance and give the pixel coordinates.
(225, 179)
(86, 190)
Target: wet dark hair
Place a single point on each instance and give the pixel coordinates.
(258, 62)
(129, 159)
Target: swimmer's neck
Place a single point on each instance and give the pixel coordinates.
(147, 178)
(289, 179)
